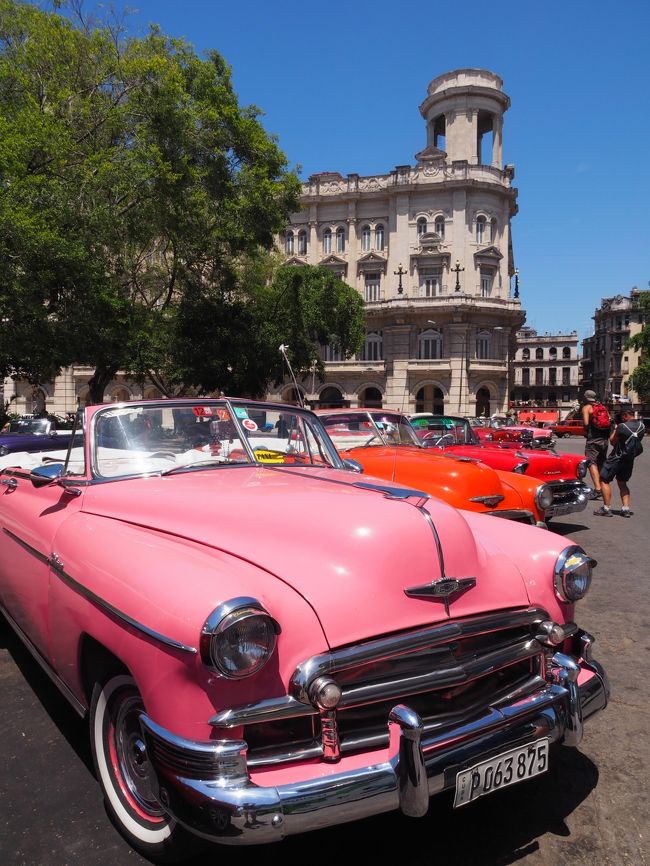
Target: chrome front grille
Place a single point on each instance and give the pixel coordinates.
(448, 673)
(565, 491)
(568, 497)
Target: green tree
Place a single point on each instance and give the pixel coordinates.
(640, 378)
(233, 343)
(132, 184)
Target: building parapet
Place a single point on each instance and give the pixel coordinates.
(405, 175)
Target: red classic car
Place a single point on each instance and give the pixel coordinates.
(384, 443)
(265, 643)
(565, 429)
(522, 434)
(562, 472)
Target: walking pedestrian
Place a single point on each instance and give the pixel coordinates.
(626, 447)
(597, 425)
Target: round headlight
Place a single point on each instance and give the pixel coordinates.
(543, 497)
(573, 571)
(582, 469)
(238, 638)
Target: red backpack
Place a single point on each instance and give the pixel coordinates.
(600, 417)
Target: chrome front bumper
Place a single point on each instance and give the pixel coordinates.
(227, 807)
(577, 501)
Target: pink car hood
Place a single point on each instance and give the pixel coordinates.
(350, 553)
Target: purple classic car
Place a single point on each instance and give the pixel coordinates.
(266, 642)
(35, 434)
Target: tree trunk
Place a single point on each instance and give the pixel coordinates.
(98, 383)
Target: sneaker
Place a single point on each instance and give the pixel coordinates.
(596, 494)
(603, 512)
(625, 512)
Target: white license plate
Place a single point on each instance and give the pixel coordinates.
(501, 771)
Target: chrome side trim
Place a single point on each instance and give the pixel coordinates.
(45, 666)
(113, 611)
(40, 556)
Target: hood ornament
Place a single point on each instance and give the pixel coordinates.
(442, 590)
(490, 501)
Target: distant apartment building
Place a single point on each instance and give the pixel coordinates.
(428, 247)
(545, 370)
(606, 363)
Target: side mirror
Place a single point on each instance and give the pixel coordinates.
(353, 466)
(42, 475)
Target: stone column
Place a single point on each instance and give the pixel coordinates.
(497, 140)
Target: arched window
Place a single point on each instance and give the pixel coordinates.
(340, 240)
(302, 243)
(379, 237)
(483, 403)
(290, 395)
(373, 348)
(430, 399)
(330, 398)
(566, 352)
(539, 354)
(327, 241)
(552, 353)
(371, 398)
(288, 243)
(430, 345)
(525, 354)
(422, 226)
(483, 345)
(481, 223)
(365, 238)
(439, 226)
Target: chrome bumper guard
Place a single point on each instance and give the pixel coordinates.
(579, 497)
(207, 788)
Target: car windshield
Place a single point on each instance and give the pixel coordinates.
(171, 436)
(369, 429)
(31, 425)
(444, 430)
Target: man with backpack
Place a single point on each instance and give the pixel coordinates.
(598, 425)
(626, 442)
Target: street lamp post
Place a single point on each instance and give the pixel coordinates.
(516, 283)
(400, 273)
(457, 270)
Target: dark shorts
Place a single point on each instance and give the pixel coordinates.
(619, 468)
(596, 451)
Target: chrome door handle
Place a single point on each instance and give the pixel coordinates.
(11, 483)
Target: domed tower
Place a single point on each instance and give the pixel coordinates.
(464, 116)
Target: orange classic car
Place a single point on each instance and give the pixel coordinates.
(385, 445)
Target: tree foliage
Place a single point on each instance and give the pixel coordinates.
(132, 188)
(640, 377)
(233, 343)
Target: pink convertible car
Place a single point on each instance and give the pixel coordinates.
(266, 642)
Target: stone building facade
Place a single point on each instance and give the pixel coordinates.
(546, 370)
(606, 363)
(67, 392)
(429, 248)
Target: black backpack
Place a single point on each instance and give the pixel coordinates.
(632, 446)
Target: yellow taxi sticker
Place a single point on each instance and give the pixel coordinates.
(268, 456)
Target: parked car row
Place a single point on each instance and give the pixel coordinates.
(266, 640)
(563, 473)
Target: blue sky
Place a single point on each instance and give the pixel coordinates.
(340, 85)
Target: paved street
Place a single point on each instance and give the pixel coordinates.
(591, 808)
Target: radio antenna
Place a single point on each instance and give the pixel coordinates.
(283, 351)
